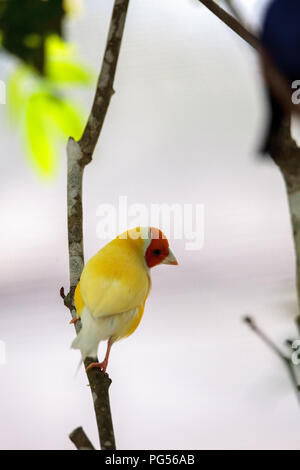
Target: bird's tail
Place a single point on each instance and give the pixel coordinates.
(87, 340)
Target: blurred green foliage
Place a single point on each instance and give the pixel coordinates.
(25, 26)
(36, 92)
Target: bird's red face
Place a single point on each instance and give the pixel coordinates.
(158, 251)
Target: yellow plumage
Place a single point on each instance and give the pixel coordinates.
(79, 303)
(115, 280)
(114, 283)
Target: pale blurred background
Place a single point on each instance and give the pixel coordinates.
(183, 127)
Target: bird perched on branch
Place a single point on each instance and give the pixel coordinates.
(280, 40)
(114, 285)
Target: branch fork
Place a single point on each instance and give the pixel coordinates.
(80, 154)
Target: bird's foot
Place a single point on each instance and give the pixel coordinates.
(74, 320)
(98, 365)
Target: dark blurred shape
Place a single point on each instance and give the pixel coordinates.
(280, 39)
(25, 26)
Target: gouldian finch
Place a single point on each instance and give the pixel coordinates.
(280, 39)
(114, 285)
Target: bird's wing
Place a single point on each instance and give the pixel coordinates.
(110, 286)
(79, 302)
(135, 323)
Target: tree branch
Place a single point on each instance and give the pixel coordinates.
(273, 76)
(79, 154)
(80, 440)
(271, 345)
(105, 89)
(284, 151)
(231, 22)
(233, 10)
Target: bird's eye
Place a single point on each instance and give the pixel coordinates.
(157, 252)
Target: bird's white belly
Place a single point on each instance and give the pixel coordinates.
(99, 329)
(115, 325)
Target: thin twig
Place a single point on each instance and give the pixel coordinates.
(79, 155)
(287, 361)
(233, 10)
(270, 343)
(232, 23)
(80, 440)
(284, 150)
(273, 76)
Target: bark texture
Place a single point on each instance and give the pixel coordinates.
(79, 154)
(286, 154)
(80, 440)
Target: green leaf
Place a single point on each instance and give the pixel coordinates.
(39, 139)
(62, 65)
(67, 72)
(48, 117)
(66, 117)
(37, 102)
(57, 48)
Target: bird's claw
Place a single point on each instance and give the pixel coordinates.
(97, 365)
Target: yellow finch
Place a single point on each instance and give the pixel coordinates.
(113, 288)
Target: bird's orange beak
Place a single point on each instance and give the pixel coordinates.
(170, 259)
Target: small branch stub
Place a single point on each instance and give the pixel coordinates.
(80, 440)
